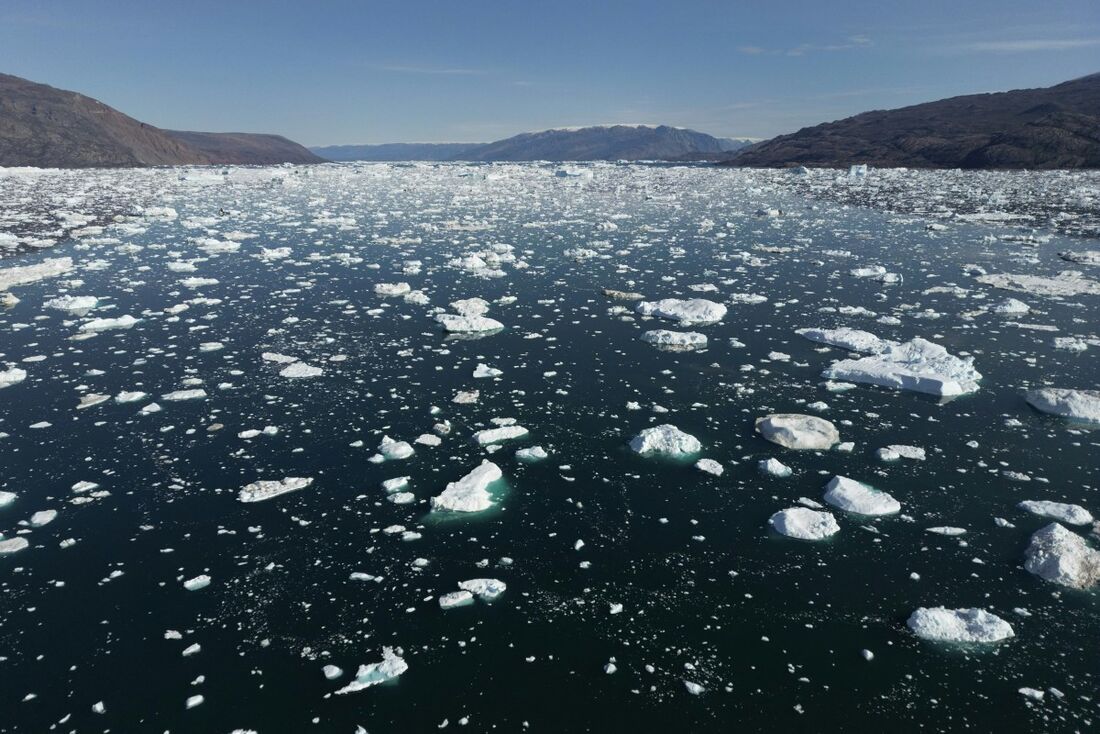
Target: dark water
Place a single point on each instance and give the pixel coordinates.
(772, 628)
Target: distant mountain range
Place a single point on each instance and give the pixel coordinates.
(54, 128)
(599, 142)
(1052, 127)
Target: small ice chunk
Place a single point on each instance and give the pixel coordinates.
(484, 589)
(199, 582)
(774, 467)
(710, 466)
(1063, 557)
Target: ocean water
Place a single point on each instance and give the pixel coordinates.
(771, 628)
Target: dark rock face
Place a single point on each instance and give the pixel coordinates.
(1053, 127)
(54, 128)
(246, 148)
(616, 142)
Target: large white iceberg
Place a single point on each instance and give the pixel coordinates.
(1063, 557)
(666, 440)
(940, 624)
(468, 324)
(471, 493)
(917, 365)
(1078, 405)
(687, 312)
(859, 498)
(392, 665)
(797, 431)
(804, 523)
(266, 489)
(1069, 514)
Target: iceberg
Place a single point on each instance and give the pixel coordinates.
(859, 498)
(1077, 405)
(471, 493)
(797, 431)
(675, 340)
(687, 312)
(918, 365)
(804, 524)
(266, 489)
(940, 624)
(1069, 514)
(1062, 557)
(392, 665)
(666, 440)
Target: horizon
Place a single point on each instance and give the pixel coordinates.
(432, 72)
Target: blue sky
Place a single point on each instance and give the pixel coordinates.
(325, 72)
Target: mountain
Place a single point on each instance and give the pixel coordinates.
(396, 151)
(246, 148)
(54, 128)
(1051, 127)
(604, 142)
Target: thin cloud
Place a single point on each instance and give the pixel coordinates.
(848, 44)
(1031, 44)
(444, 70)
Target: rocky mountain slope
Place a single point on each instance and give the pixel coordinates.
(1046, 128)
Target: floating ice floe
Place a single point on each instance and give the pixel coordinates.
(893, 452)
(665, 440)
(675, 340)
(1077, 405)
(179, 395)
(797, 431)
(394, 450)
(42, 518)
(804, 524)
(484, 589)
(859, 498)
(774, 467)
(1066, 283)
(453, 599)
(940, 624)
(499, 435)
(24, 274)
(918, 365)
(266, 489)
(533, 453)
(1084, 257)
(6, 498)
(13, 545)
(854, 340)
(12, 376)
(1069, 514)
(483, 371)
(687, 312)
(1011, 306)
(392, 665)
(72, 304)
(1063, 557)
(121, 322)
(710, 466)
(199, 582)
(468, 324)
(392, 289)
(471, 493)
(299, 370)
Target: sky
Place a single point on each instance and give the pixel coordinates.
(333, 72)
